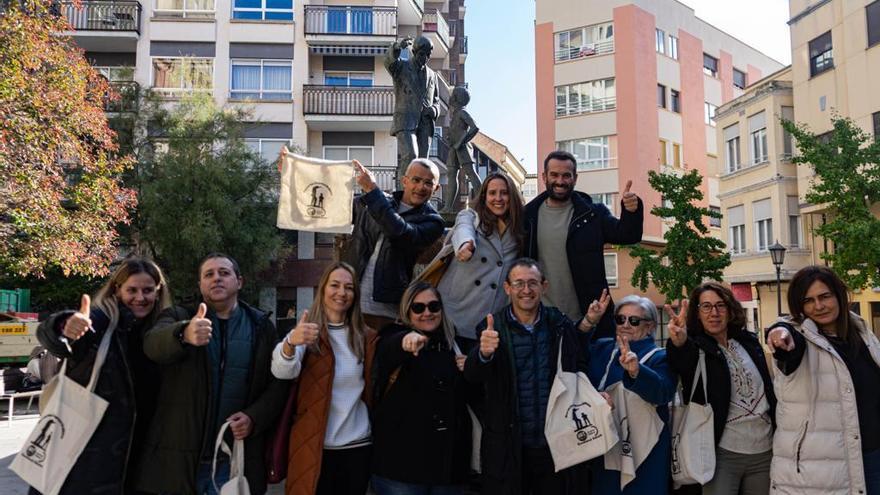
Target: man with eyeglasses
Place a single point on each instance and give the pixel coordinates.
(391, 231)
(515, 363)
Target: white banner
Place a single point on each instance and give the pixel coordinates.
(316, 195)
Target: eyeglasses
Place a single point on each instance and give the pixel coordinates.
(522, 284)
(419, 181)
(633, 320)
(419, 308)
(706, 308)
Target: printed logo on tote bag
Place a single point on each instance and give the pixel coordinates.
(49, 426)
(583, 427)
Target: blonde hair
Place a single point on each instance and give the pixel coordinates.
(353, 317)
(406, 301)
(105, 299)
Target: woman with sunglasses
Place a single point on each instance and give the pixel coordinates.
(634, 359)
(330, 351)
(738, 385)
(421, 427)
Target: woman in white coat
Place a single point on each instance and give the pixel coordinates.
(827, 439)
(485, 240)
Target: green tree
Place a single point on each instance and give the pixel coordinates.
(690, 255)
(846, 164)
(61, 196)
(206, 191)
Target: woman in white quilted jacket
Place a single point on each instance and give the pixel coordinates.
(827, 439)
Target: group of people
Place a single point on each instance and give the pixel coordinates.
(410, 384)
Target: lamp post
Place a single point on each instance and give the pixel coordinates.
(777, 255)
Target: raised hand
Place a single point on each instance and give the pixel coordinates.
(80, 322)
(413, 342)
(628, 359)
(677, 322)
(365, 178)
(304, 332)
(597, 308)
(629, 199)
(198, 330)
(466, 251)
(780, 338)
(489, 339)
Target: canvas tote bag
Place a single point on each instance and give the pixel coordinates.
(579, 425)
(693, 436)
(237, 484)
(68, 420)
(638, 425)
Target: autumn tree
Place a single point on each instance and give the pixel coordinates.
(61, 197)
(690, 255)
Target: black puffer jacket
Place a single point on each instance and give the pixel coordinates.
(406, 235)
(128, 381)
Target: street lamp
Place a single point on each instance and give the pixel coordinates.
(777, 255)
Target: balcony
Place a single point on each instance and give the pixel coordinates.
(586, 105)
(350, 25)
(126, 98)
(462, 49)
(587, 50)
(411, 12)
(104, 26)
(347, 108)
(435, 28)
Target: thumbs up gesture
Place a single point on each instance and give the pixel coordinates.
(413, 342)
(677, 330)
(629, 199)
(80, 322)
(489, 338)
(198, 330)
(628, 359)
(304, 332)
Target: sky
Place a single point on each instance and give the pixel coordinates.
(500, 68)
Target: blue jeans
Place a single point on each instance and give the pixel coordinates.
(384, 486)
(872, 471)
(204, 483)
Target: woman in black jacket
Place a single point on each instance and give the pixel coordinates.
(128, 303)
(421, 427)
(739, 386)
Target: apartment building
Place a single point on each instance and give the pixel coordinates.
(311, 70)
(630, 86)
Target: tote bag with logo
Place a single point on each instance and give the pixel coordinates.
(693, 436)
(237, 484)
(68, 420)
(579, 425)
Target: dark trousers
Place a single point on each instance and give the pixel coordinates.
(537, 476)
(413, 144)
(345, 472)
(872, 471)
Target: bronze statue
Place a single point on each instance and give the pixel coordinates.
(416, 100)
(461, 154)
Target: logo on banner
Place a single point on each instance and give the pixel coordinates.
(49, 426)
(320, 194)
(583, 427)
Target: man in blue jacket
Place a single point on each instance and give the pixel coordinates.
(574, 263)
(390, 233)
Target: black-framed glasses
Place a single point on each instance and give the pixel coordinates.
(419, 308)
(633, 320)
(706, 307)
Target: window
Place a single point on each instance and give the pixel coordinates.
(611, 269)
(820, 55)
(261, 80)
(116, 73)
(176, 76)
(731, 148)
(673, 47)
(529, 190)
(584, 42)
(358, 79)
(758, 138)
(794, 222)
(876, 117)
(713, 221)
(185, 8)
(269, 149)
(661, 96)
(736, 230)
(363, 154)
(350, 20)
(660, 41)
(787, 139)
(664, 160)
(676, 155)
(710, 65)
(593, 96)
(739, 79)
(675, 101)
(709, 114)
(763, 224)
(606, 199)
(263, 10)
(591, 153)
(872, 14)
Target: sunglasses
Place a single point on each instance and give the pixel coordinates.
(419, 308)
(633, 320)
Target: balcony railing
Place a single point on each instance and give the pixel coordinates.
(463, 45)
(439, 149)
(589, 105)
(347, 100)
(385, 178)
(126, 99)
(435, 23)
(351, 20)
(588, 50)
(104, 15)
